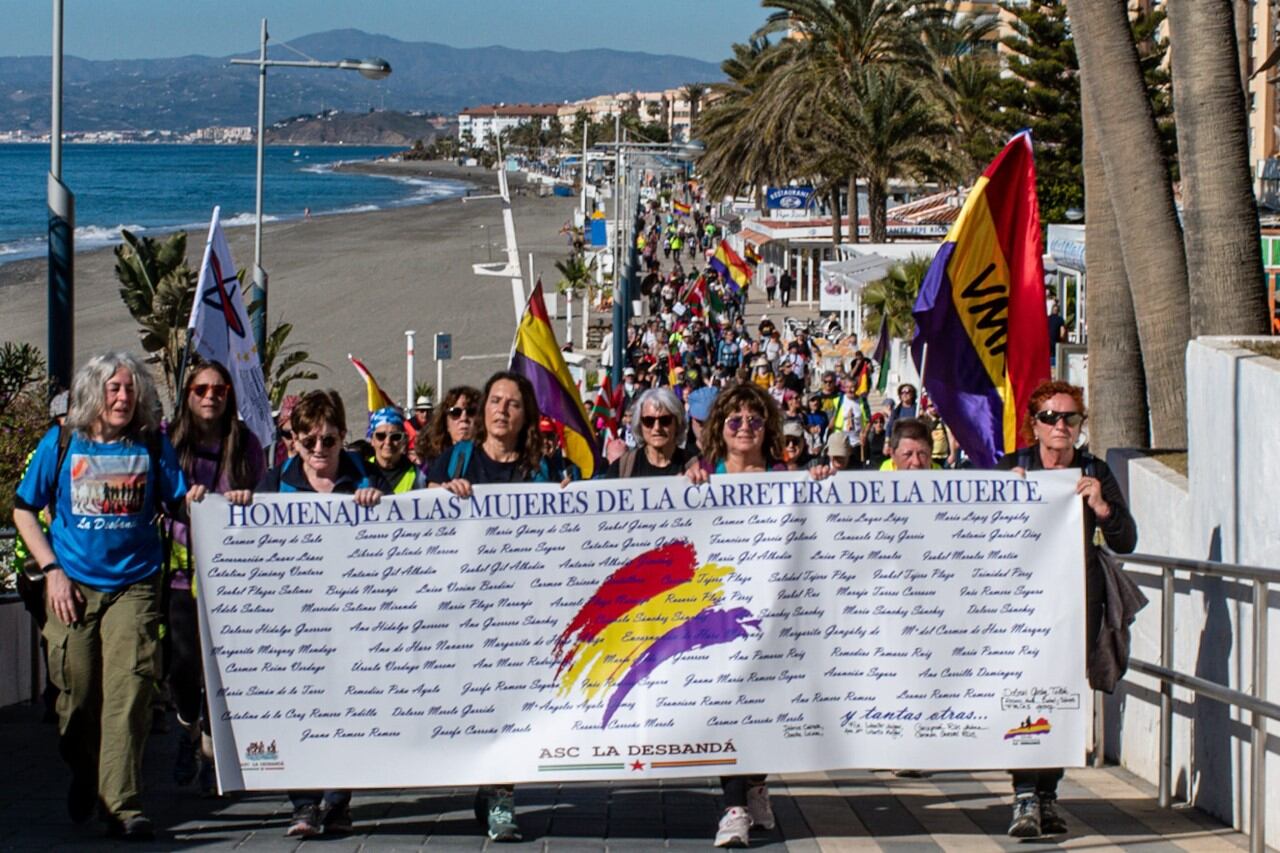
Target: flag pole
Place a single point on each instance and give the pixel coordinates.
(924, 365)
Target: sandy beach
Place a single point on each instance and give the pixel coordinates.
(349, 283)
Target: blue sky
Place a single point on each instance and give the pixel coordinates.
(135, 29)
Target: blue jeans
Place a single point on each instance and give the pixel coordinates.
(314, 798)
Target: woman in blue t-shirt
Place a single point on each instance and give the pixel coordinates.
(104, 480)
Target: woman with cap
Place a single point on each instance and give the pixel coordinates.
(762, 372)
(391, 470)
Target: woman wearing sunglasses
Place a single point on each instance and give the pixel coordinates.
(389, 465)
(1055, 416)
(660, 439)
(216, 450)
(743, 434)
(319, 425)
(453, 422)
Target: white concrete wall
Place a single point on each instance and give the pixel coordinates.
(1224, 509)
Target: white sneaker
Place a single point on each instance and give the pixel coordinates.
(759, 808)
(734, 829)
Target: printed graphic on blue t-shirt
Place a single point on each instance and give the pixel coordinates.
(104, 532)
(108, 485)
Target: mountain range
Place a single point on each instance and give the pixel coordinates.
(188, 92)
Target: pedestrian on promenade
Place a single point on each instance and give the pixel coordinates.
(1055, 415)
(319, 425)
(505, 448)
(785, 285)
(216, 450)
(454, 421)
(102, 584)
(770, 286)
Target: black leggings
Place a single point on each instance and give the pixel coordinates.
(735, 789)
(185, 663)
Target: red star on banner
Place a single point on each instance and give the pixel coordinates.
(637, 765)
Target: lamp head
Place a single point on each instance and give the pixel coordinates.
(374, 68)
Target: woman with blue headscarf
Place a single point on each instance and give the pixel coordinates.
(390, 468)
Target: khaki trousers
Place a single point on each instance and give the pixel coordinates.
(105, 667)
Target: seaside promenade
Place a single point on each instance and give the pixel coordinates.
(857, 810)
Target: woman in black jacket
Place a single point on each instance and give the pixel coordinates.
(1056, 412)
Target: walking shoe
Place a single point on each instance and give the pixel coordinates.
(82, 796)
(759, 807)
(136, 828)
(1051, 820)
(502, 815)
(337, 819)
(185, 765)
(734, 829)
(1026, 817)
(306, 822)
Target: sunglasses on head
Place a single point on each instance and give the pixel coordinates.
(650, 421)
(1049, 417)
(395, 437)
(755, 423)
(328, 442)
(217, 391)
(457, 412)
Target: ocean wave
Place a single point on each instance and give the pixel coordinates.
(101, 235)
(247, 219)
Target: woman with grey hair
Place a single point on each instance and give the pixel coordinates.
(104, 478)
(660, 427)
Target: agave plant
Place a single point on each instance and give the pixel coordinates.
(158, 287)
(284, 363)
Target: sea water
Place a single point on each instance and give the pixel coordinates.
(160, 188)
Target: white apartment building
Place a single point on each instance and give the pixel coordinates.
(479, 125)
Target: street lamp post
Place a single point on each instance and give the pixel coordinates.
(62, 225)
(624, 243)
(374, 69)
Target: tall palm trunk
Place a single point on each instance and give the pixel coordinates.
(854, 237)
(1115, 359)
(1142, 199)
(1220, 215)
(876, 199)
(837, 230)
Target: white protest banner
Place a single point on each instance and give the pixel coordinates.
(219, 331)
(645, 628)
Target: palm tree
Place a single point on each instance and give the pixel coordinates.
(1115, 360)
(895, 296)
(1220, 215)
(1117, 105)
(734, 125)
(576, 276)
(284, 363)
(693, 93)
(892, 131)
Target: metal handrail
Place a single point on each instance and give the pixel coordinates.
(1254, 701)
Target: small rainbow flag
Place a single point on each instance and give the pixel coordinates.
(657, 606)
(537, 357)
(733, 269)
(377, 398)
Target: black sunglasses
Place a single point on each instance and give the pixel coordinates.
(650, 420)
(396, 437)
(1049, 417)
(457, 411)
(328, 442)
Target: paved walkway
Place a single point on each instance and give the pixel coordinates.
(1107, 810)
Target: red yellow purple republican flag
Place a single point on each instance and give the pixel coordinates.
(537, 357)
(733, 269)
(981, 309)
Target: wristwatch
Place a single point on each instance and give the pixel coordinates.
(45, 569)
